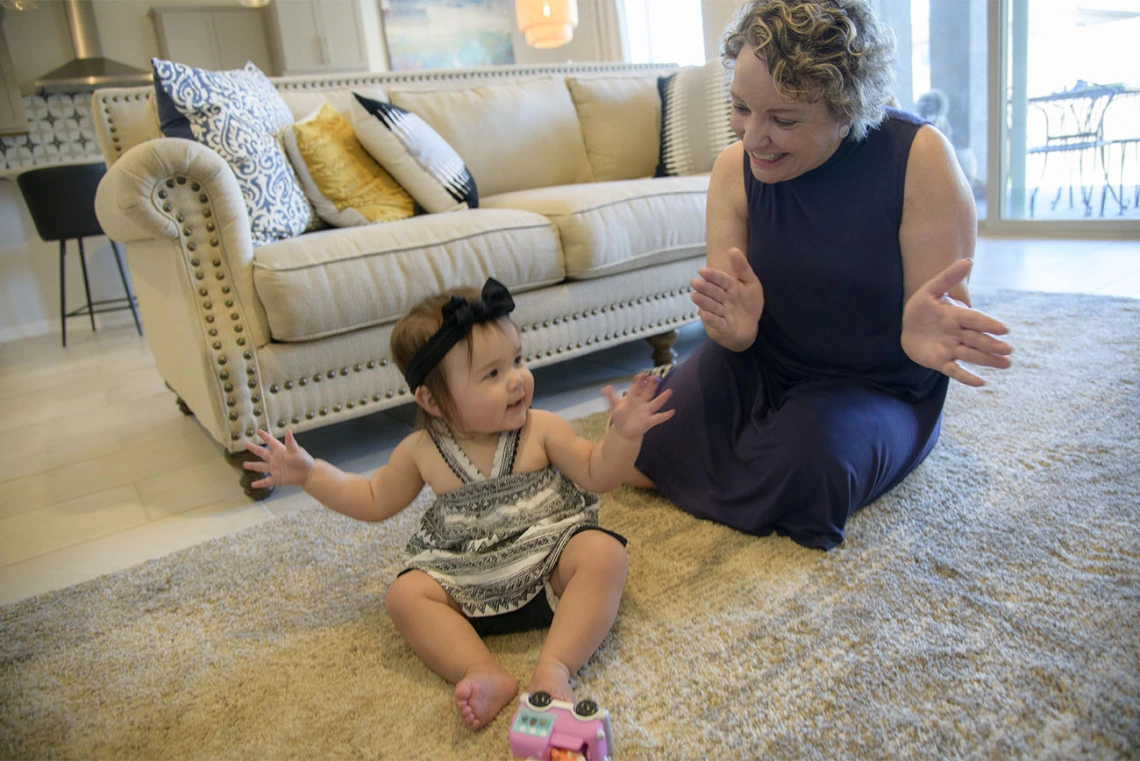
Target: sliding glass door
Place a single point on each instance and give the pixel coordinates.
(942, 75)
(1041, 101)
(1071, 128)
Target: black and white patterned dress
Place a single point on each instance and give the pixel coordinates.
(492, 543)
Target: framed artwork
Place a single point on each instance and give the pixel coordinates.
(448, 34)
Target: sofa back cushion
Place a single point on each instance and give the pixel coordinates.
(131, 111)
(513, 136)
(621, 124)
(304, 102)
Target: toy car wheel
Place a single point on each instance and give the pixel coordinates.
(585, 708)
(540, 699)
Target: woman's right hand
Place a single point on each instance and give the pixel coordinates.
(730, 302)
(285, 464)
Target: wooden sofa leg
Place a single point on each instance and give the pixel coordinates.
(662, 345)
(249, 476)
(235, 459)
(182, 406)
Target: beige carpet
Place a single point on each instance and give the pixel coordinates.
(987, 608)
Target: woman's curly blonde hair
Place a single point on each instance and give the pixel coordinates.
(834, 50)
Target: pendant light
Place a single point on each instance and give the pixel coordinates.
(547, 23)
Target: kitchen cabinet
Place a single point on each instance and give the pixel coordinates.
(318, 36)
(214, 38)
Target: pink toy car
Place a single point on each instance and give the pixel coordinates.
(545, 729)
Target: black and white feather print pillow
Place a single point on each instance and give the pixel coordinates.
(414, 154)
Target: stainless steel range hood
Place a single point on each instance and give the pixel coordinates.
(89, 69)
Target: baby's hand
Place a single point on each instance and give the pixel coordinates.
(637, 411)
(285, 464)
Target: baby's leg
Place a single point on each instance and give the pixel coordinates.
(443, 639)
(589, 579)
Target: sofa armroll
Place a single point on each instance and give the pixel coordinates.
(177, 206)
(184, 193)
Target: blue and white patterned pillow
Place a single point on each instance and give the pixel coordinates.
(241, 116)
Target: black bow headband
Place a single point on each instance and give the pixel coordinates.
(459, 315)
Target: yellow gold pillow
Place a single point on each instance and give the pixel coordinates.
(345, 184)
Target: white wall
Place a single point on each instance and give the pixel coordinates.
(716, 16)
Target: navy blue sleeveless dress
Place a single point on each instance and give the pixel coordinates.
(825, 412)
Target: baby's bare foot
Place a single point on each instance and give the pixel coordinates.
(552, 677)
(482, 693)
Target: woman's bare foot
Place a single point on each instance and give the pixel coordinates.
(552, 677)
(482, 693)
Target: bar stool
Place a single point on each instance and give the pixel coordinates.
(61, 200)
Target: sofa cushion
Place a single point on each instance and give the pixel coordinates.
(240, 116)
(621, 124)
(345, 184)
(610, 227)
(415, 154)
(334, 281)
(513, 136)
(695, 109)
(304, 102)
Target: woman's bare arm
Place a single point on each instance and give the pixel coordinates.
(939, 222)
(937, 238)
(726, 211)
(730, 297)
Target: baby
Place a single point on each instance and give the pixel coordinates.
(512, 540)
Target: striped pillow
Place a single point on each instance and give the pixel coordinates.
(695, 109)
(414, 154)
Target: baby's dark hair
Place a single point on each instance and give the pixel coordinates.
(415, 329)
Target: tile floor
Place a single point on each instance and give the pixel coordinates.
(100, 471)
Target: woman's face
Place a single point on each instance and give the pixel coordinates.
(783, 137)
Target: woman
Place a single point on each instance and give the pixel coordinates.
(832, 341)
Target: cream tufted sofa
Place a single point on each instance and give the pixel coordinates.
(294, 334)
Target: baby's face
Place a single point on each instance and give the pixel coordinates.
(493, 392)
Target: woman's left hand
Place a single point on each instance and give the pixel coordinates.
(939, 331)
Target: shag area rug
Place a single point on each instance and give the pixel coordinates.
(989, 607)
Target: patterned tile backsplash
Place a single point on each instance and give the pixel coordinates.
(60, 129)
